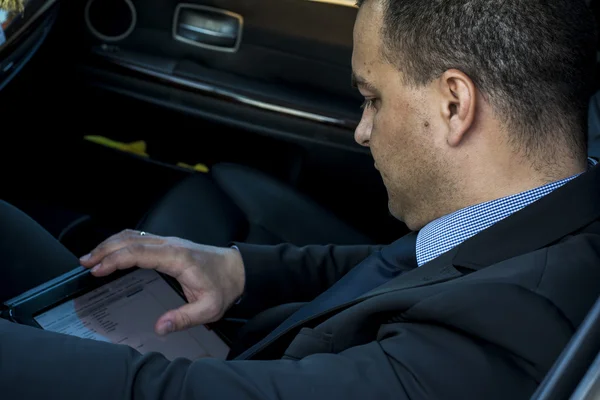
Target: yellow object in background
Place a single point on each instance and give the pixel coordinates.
(137, 147)
(12, 5)
(198, 167)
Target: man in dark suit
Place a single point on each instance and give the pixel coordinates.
(475, 115)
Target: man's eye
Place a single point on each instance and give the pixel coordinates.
(368, 103)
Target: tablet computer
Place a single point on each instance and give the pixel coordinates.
(121, 308)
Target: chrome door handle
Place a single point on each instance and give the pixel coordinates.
(207, 27)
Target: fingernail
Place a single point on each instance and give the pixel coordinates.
(165, 327)
(86, 257)
(97, 267)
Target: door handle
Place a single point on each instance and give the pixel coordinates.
(207, 27)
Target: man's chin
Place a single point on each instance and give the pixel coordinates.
(414, 224)
(394, 211)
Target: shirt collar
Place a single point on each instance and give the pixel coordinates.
(447, 232)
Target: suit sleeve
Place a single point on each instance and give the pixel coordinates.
(285, 273)
(414, 362)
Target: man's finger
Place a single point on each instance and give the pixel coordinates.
(114, 243)
(192, 314)
(149, 256)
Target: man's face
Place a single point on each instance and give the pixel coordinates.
(399, 124)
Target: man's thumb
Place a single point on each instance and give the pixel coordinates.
(183, 318)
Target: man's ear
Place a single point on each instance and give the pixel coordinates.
(458, 104)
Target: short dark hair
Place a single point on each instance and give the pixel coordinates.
(534, 60)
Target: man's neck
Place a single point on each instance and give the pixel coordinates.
(508, 178)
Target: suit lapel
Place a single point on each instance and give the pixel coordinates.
(437, 271)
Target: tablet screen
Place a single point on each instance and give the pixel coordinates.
(125, 311)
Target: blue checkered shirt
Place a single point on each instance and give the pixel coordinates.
(449, 231)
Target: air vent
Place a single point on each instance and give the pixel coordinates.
(110, 20)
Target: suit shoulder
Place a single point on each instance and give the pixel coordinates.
(571, 275)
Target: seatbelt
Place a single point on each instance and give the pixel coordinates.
(574, 361)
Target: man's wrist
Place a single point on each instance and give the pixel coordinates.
(238, 274)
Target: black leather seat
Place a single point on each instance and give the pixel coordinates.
(236, 203)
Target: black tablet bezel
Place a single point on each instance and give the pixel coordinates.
(24, 308)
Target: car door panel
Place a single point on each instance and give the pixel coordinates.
(292, 62)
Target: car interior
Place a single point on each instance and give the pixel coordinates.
(256, 93)
(213, 120)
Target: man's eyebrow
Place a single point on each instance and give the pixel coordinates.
(357, 81)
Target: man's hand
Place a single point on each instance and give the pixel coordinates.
(212, 278)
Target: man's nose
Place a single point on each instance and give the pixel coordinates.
(362, 134)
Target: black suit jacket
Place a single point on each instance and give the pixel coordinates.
(485, 320)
